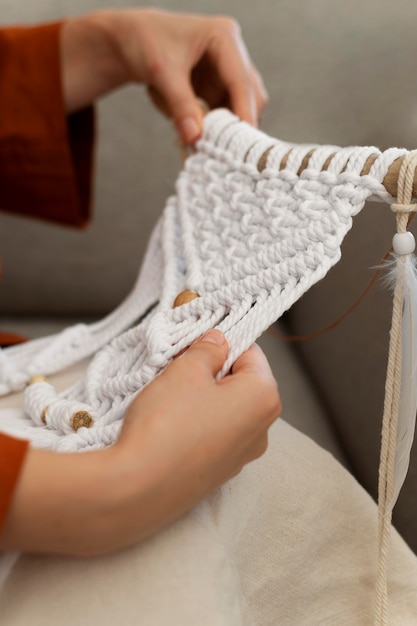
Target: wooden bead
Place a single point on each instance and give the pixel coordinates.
(38, 379)
(43, 414)
(184, 297)
(80, 419)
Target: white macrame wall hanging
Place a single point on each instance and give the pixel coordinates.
(254, 223)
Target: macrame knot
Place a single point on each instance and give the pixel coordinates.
(46, 408)
(405, 185)
(396, 207)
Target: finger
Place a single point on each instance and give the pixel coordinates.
(261, 94)
(252, 371)
(174, 95)
(209, 352)
(162, 105)
(253, 361)
(231, 59)
(158, 101)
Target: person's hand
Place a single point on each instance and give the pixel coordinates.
(195, 432)
(184, 435)
(181, 57)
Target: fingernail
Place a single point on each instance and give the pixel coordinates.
(214, 336)
(190, 130)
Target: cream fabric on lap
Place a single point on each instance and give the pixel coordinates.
(290, 541)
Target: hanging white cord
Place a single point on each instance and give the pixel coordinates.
(400, 397)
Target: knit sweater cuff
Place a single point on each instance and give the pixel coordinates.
(45, 156)
(12, 454)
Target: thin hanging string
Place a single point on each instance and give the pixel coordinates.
(338, 320)
(402, 208)
(325, 329)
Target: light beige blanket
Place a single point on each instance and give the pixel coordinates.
(291, 541)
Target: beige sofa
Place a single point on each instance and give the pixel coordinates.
(337, 72)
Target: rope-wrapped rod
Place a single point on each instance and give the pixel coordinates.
(260, 154)
(390, 180)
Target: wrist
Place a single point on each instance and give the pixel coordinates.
(90, 59)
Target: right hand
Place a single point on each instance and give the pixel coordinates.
(183, 435)
(194, 432)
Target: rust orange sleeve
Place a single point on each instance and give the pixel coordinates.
(46, 158)
(12, 454)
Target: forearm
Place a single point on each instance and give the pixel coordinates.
(95, 503)
(68, 504)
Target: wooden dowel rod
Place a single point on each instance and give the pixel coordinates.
(390, 181)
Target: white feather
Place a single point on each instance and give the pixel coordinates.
(408, 393)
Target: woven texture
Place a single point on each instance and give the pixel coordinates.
(248, 240)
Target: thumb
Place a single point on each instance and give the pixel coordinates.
(210, 351)
(254, 361)
(175, 97)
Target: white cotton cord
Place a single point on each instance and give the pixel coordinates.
(380, 166)
(379, 170)
(215, 125)
(47, 409)
(52, 354)
(276, 155)
(358, 159)
(258, 149)
(9, 372)
(321, 156)
(394, 419)
(236, 140)
(296, 157)
(341, 158)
